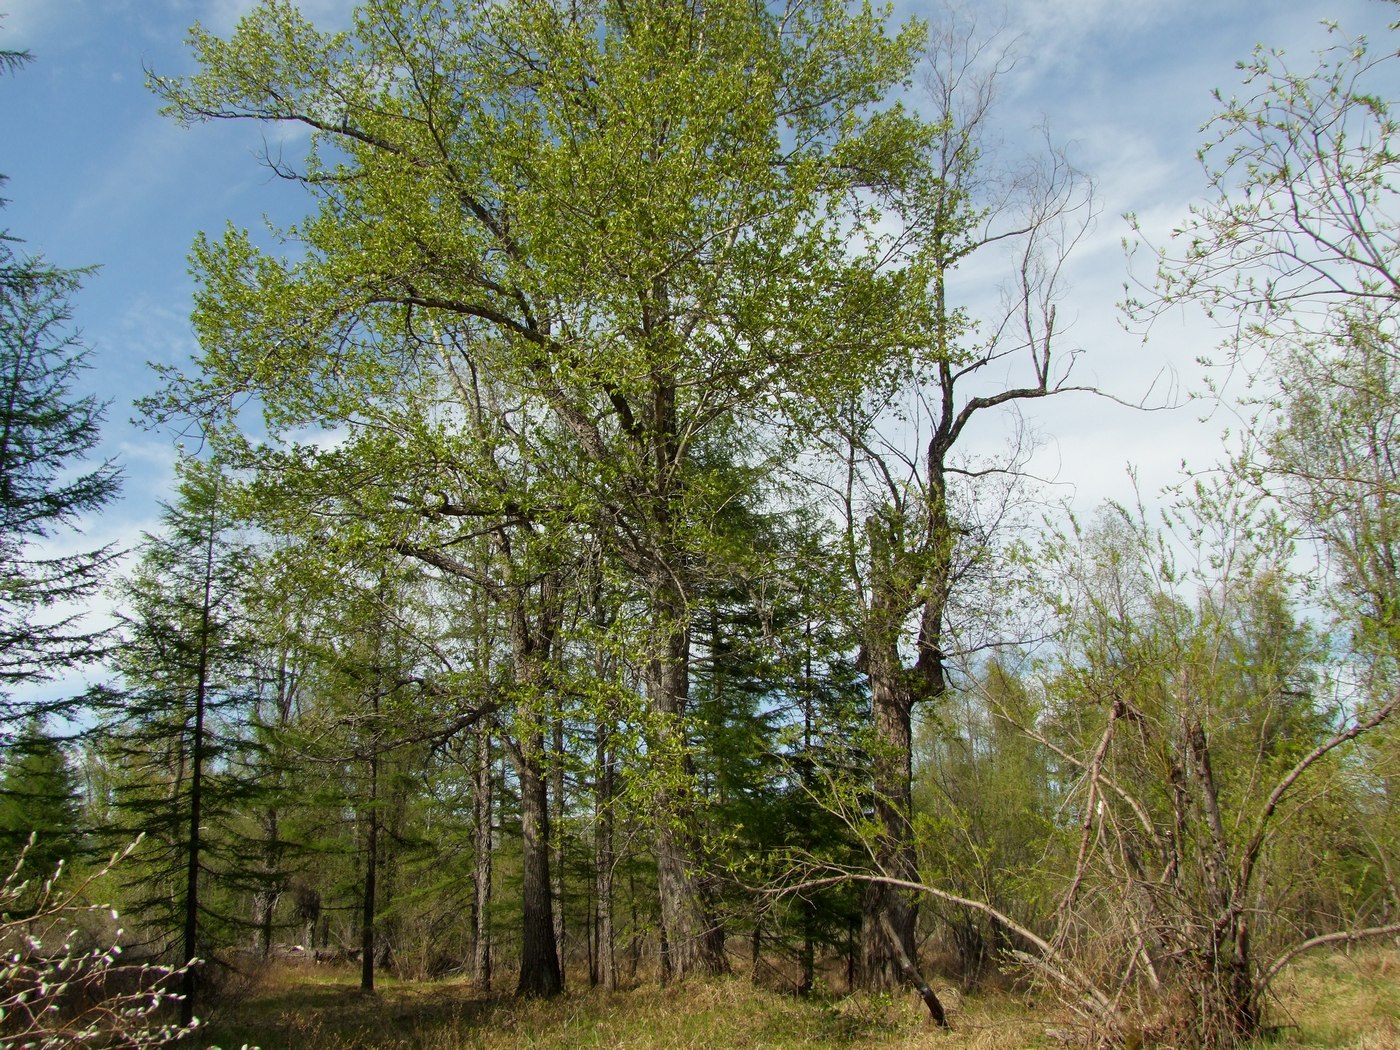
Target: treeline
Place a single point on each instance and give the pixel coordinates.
(586, 574)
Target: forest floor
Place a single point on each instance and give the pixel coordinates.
(1340, 1001)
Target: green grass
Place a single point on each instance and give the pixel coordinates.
(1337, 1002)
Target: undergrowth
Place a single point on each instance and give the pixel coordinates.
(1331, 1002)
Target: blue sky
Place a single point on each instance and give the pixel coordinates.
(97, 176)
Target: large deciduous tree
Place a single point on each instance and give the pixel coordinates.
(927, 527)
(633, 220)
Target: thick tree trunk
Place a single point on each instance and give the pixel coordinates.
(264, 904)
(539, 956)
(885, 908)
(532, 638)
(889, 916)
(482, 845)
(693, 938)
(270, 892)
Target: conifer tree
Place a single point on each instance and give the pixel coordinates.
(45, 428)
(39, 797)
(184, 659)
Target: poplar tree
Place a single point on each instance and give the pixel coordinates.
(637, 222)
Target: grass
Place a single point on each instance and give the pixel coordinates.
(1341, 1001)
(1337, 1002)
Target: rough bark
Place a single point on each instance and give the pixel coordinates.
(887, 912)
(264, 905)
(539, 956)
(906, 574)
(532, 638)
(693, 939)
(367, 900)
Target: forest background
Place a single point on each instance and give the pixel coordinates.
(583, 619)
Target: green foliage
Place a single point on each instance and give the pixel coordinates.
(1199, 733)
(1333, 451)
(45, 430)
(596, 221)
(578, 284)
(173, 733)
(562, 255)
(39, 796)
(984, 806)
(1298, 253)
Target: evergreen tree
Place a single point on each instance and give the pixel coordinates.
(44, 428)
(185, 662)
(38, 796)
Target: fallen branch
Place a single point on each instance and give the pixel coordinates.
(1060, 970)
(1339, 937)
(912, 974)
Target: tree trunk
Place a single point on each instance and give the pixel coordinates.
(1228, 982)
(885, 908)
(605, 973)
(556, 844)
(539, 957)
(889, 916)
(386, 926)
(264, 904)
(693, 938)
(482, 844)
(188, 982)
(371, 863)
(808, 952)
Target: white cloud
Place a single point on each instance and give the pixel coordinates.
(27, 21)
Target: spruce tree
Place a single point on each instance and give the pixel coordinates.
(39, 797)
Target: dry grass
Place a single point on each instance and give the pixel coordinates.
(1342, 1001)
(1339, 1002)
(308, 1008)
